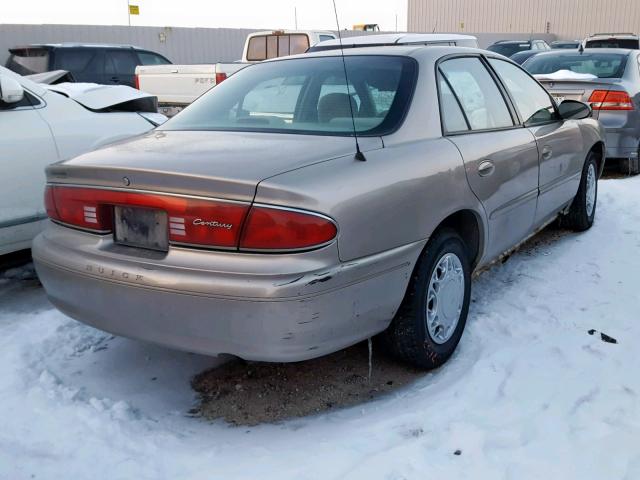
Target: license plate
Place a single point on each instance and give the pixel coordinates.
(169, 111)
(141, 227)
(558, 98)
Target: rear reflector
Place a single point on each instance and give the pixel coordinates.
(195, 221)
(220, 77)
(610, 100)
(136, 81)
(279, 229)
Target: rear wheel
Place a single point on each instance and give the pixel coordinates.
(432, 317)
(583, 208)
(630, 166)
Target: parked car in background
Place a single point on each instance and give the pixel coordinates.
(521, 57)
(612, 40)
(176, 86)
(509, 47)
(254, 224)
(42, 124)
(565, 44)
(609, 80)
(399, 39)
(103, 64)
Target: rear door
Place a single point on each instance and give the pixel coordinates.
(560, 143)
(120, 67)
(500, 156)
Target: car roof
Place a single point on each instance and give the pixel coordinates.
(391, 38)
(507, 42)
(74, 45)
(589, 51)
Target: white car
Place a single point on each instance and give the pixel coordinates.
(42, 124)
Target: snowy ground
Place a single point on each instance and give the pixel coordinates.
(529, 394)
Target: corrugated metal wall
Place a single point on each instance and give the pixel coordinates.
(564, 18)
(180, 45)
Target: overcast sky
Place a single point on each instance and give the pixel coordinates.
(312, 14)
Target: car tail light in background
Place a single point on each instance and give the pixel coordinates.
(195, 221)
(220, 77)
(268, 228)
(136, 81)
(610, 100)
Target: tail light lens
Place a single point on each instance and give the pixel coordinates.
(220, 77)
(195, 221)
(279, 229)
(610, 100)
(192, 221)
(136, 81)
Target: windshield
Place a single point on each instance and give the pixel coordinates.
(508, 49)
(602, 65)
(630, 43)
(307, 95)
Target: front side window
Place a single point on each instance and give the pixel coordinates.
(531, 99)
(481, 100)
(308, 96)
(602, 65)
(120, 62)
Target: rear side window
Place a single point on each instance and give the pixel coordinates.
(532, 100)
(148, 58)
(481, 100)
(27, 61)
(263, 47)
(76, 60)
(453, 119)
(120, 62)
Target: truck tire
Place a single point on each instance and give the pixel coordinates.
(430, 321)
(583, 208)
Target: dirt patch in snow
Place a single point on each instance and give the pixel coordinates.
(249, 393)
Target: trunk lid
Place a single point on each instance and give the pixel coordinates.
(226, 165)
(572, 89)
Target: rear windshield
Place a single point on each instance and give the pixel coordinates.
(630, 43)
(602, 65)
(28, 61)
(309, 96)
(508, 49)
(263, 47)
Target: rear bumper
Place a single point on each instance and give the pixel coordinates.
(286, 309)
(622, 133)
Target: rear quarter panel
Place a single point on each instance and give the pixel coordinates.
(397, 197)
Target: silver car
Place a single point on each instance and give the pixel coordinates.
(609, 80)
(255, 223)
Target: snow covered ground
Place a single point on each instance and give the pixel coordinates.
(530, 393)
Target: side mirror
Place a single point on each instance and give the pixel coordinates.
(574, 110)
(11, 90)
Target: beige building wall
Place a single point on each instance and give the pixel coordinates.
(567, 19)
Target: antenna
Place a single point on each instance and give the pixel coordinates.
(359, 155)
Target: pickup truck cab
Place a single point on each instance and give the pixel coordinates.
(176, 86)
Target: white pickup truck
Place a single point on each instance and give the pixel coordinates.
(176, 86)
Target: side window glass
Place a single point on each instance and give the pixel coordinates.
(148, 58)
(478, 93)
(532, 101)
(120, 62)
(73, 60)
(452, 117)
(257, 49)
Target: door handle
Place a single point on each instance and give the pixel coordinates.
(115, 79)
(485, 168)
(547, 152)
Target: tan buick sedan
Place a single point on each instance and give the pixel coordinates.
(251, 224)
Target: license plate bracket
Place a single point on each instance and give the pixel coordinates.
(141, 227)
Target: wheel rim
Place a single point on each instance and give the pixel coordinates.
(591, 189)
(445, 297)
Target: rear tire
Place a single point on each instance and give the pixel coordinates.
(428, 326)
(630, 166)
(583, 208)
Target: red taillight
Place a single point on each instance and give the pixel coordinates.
(279, 229)
(192, 221)
(610, 100)
(195, 221)
(136, 81)
(220, 77)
